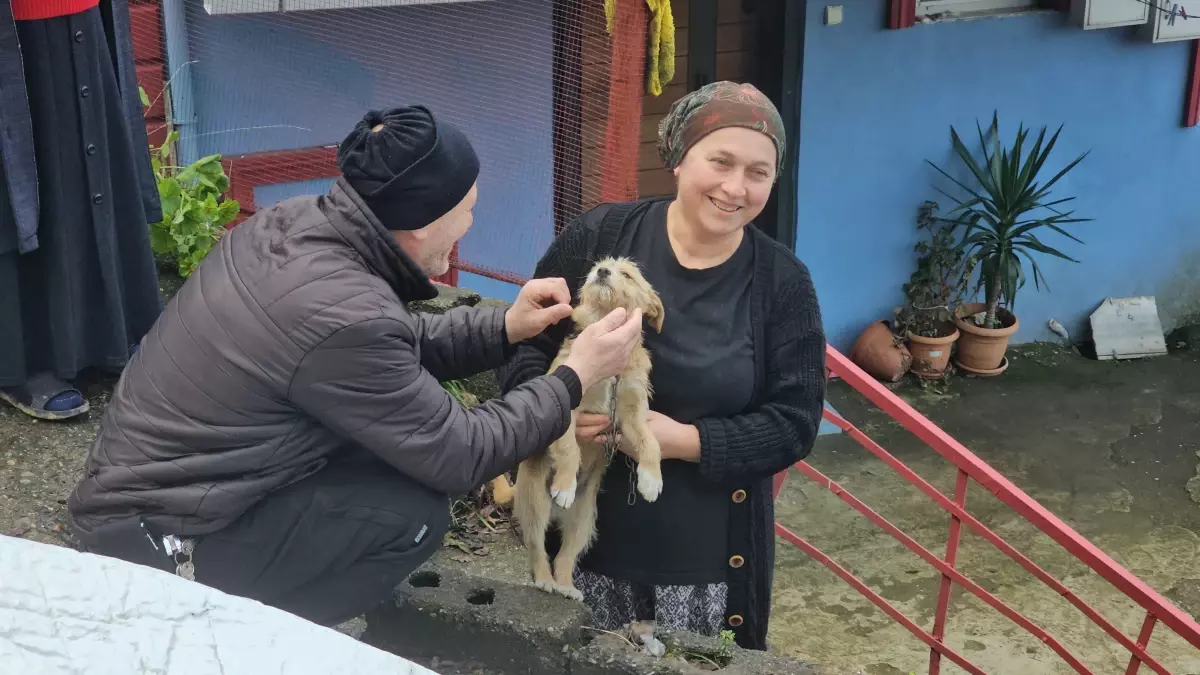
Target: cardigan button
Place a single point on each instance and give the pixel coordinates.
(735, 620)
(739, 496)
(737, 561)
(90, 149)
(84, 92)
(79, 36)
(97, 199)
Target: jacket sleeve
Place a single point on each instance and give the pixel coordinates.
(366, 384)
(782, 429)
(463, 341)
(566, 258)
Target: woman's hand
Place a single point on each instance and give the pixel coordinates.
(589, 426)
(675, 440)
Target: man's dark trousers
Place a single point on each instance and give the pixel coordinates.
(327, 548)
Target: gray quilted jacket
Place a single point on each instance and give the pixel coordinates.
(289, 343)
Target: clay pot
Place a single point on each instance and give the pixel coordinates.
(879, 352)
(931, 355)
(981, 350)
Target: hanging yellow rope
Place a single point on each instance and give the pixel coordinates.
(660, 43)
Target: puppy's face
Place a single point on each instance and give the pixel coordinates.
(617, 282)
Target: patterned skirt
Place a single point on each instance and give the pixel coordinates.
(615, 604)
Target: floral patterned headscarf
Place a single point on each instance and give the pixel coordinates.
(712, 107)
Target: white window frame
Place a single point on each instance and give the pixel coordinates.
(274, 6)
(970, 7)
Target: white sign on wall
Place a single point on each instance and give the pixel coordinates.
(1092, 14)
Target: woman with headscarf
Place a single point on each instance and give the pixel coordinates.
(78, 287)
(738, 375)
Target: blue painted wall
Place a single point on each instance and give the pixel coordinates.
(278, 81)
(877, 103)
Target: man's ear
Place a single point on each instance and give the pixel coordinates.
(406, 239)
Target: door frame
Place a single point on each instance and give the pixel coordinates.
(778, 68)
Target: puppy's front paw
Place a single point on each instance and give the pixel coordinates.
(564, 497)
(650, 483)
(547, 586)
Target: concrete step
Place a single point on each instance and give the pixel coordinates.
(460, 624)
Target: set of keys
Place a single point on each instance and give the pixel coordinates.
(174, 547)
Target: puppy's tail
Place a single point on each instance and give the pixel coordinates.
(503, 492)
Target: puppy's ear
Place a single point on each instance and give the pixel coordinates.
(654, 312)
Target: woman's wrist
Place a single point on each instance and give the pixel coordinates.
(684, 444)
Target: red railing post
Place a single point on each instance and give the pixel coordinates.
(1148, 623)
(943, 601)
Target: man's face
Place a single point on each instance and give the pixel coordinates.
(430, 246)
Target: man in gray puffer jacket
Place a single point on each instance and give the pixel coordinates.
(281, 434)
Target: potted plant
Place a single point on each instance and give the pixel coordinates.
(1002, 218)
(935, 287)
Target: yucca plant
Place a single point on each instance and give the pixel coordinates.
(1001, 226)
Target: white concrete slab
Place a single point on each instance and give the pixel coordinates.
(1128, 328)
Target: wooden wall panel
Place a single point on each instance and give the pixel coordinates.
(735, 61)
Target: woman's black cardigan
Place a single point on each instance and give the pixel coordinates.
(741, 452)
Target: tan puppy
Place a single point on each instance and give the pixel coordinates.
(547, 485)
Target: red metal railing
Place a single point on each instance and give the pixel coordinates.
(970, 467)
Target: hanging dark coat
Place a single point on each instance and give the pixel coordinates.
(19, 229)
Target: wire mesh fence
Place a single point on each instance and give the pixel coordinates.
(273, 85)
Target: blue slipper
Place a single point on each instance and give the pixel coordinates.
(46, 397)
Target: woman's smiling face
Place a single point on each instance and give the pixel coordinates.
(725, 179)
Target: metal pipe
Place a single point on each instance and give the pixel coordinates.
(179, 69)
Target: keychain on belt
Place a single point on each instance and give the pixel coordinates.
(178, 550)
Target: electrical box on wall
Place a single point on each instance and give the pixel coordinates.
(1091, 14)
(1173, 20)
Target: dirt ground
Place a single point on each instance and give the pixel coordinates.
(1110, 448)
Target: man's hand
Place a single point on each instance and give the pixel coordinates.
(540, 304)
(602, 349)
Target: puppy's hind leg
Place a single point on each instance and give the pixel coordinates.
(532, 507)
(578, 527)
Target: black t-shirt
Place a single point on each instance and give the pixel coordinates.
(702, 366)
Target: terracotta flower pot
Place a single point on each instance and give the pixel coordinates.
(879, 352)
(981, 350)
(931, 355)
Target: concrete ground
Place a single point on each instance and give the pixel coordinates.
(1110, 448)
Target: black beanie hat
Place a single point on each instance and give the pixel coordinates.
(412, 171)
